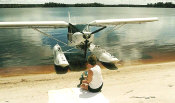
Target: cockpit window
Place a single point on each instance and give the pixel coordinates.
(80, 27)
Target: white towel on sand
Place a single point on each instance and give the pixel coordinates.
(75, 95)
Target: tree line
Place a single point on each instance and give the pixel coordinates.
(52, 4)
(162, 5)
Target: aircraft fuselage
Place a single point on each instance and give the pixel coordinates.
(78, 39)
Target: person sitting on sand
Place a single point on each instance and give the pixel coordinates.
(94, 80)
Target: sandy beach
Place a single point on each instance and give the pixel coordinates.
(146, 83)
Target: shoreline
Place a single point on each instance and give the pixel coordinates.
(147, 83)
(48, 69)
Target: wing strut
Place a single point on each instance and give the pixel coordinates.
(54, 39)
(48, 35)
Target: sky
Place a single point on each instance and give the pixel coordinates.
(83, 1)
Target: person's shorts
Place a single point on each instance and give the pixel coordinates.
(95, 90)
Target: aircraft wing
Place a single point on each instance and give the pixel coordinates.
(34, 24)
(121, 21)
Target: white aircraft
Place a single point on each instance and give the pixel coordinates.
(79, 36)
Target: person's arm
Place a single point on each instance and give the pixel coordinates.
(89, 78)
(90, 74)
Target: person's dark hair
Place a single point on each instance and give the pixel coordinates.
(92, 60)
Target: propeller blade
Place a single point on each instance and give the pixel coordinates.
(98, 30)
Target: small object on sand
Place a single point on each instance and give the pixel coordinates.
(129, 92)
(147, 97)
(23, 80)
(152, 97)
(143, 97)
(83, 75)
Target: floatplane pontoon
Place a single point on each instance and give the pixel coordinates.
(79, 36)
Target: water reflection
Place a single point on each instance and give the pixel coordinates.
(131, 42)
(22, 47)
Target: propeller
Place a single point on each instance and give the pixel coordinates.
(96, 31)
(86, 37)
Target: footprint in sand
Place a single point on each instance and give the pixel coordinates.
(129, 92)
(150, 97)
(170, 85)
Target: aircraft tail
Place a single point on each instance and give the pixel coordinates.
(69, 17)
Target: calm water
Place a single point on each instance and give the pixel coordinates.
(23, 47)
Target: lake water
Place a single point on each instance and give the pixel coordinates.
(149, 41)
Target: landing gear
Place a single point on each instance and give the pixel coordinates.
(85, 48)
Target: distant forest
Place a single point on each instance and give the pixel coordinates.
(52, 4)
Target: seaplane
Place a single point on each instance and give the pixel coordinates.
(79, 36)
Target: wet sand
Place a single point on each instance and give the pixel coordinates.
(26, 70)
(146, 83)
(46, 69)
